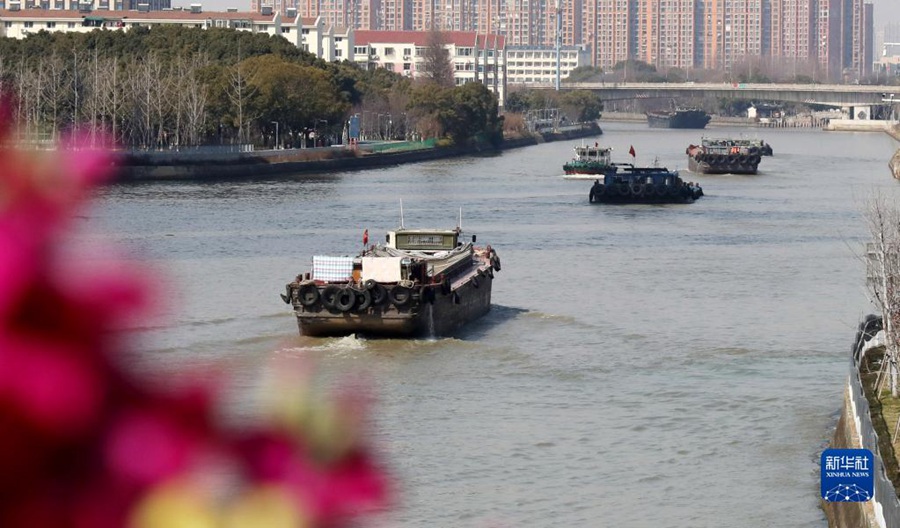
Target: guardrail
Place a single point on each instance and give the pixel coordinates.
(887, 505)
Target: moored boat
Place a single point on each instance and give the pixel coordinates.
(678, 118)
(590, 160)
(723, 156)
(643, 185)
(420, 283)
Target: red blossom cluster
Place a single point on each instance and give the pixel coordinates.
(85, 445)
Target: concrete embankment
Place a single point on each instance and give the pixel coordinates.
(249, 165)
(856, 429)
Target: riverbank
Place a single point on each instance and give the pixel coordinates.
(866, 423)
(217, 165)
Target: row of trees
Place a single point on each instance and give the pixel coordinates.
(221, 86)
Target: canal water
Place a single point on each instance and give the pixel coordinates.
(677, 365)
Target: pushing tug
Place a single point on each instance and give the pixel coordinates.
(723, 156)
(654, 185)
(420, 283)
(590, 160)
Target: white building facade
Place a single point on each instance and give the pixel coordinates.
(526, 65)
(474, 57)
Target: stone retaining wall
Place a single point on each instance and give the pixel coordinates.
(242, 165)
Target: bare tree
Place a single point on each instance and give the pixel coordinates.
(193, 98)
(240, 92)
(436, 60)
(883, 273)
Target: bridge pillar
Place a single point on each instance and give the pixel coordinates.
(861, 112)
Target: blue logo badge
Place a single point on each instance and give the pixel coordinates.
(847, 475)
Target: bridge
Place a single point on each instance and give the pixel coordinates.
(837, 95)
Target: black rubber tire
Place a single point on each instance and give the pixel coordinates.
(328, 295)
(308, 295)
(445, 286)
(370, 284)
(475, 283)
(400, 296)
(495, 262)
(363, 300)
(456, 298)
(345, 299)
(379, 294)
(490, 272)
(591, 196)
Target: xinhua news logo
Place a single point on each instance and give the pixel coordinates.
(847, 475)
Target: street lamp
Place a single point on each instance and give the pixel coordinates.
(276, 134)
(317, 127)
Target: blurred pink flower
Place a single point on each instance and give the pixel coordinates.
(84, 445)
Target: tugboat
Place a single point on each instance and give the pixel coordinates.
(590, 160)
(678, 118)
(420, 283)
(723, 156)
(652, 185)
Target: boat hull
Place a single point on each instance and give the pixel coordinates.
(679, 119)
(589, 170)
(644, 194)
(430, 312)
(723, 164)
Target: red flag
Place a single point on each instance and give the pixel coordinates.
(631, 151)
(365, 237)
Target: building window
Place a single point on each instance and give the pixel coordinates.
(361, 50)
(263, 27)
(29, 24)
(51, 25)
(389, 52)
(285, 30)
(7, 24)
(338, 53)
(406, 66)
(338, 39)
(389, 66)
(407, 52)
(305, 32)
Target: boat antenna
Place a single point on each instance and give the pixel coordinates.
(401, 213)
(459, 223)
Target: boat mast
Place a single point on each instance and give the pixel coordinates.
(401, 213)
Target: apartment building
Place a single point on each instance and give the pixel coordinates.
(833, 38)
(310, 34)
(537, 65)
(19, 23)
(475, 58)
(665, 33)
(83, 5)
(608, 31)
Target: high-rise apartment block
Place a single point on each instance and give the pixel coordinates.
(832, 39)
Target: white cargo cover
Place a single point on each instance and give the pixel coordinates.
(381, 269)
(332, 269)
